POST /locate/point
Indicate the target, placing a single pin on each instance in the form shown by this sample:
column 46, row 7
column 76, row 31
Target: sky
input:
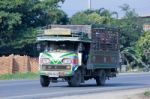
column 142, row 7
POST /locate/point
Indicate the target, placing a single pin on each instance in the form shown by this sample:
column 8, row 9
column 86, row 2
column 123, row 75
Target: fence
column 16, row 63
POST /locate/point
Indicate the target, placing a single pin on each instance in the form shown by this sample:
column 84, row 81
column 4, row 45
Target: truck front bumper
column 56, row 74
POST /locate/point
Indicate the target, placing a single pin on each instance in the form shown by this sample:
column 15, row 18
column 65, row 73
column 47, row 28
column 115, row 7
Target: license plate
column 53, row 74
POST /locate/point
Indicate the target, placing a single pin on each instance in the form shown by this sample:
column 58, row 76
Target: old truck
column 76, row 53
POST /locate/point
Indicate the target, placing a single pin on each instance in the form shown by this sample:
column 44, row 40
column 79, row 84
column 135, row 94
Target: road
column 31, row 89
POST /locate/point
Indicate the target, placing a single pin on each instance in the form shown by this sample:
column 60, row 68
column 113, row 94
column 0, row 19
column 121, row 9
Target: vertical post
column 89, row 4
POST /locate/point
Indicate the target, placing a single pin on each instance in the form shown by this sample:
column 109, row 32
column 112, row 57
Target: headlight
column 66, row 61
column 45, row 61
column 68, row 67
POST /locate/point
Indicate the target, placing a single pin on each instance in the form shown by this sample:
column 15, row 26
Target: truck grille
column 55, row 67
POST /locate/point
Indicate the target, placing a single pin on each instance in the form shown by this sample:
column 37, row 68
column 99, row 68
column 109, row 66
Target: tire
column 101, row 78
column 44, row 80
column 75, row 80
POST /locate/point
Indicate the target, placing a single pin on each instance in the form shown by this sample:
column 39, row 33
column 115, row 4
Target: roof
column 58, row 38
column 147, row 16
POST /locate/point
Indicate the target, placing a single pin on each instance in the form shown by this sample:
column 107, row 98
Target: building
column 146, row 22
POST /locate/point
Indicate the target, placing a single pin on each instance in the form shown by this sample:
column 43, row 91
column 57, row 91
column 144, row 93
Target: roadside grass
column 18, row 76
column 147, row 93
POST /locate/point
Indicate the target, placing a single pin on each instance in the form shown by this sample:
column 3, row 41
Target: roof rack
column 76, row 30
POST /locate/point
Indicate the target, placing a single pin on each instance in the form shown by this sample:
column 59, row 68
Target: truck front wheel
column 44, row 80
column 75, row 80
column 101, row 78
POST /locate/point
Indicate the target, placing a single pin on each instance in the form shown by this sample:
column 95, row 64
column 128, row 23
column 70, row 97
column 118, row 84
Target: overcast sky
column 142, row 7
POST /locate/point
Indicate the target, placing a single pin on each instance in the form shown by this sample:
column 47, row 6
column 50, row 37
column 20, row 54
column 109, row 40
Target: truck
column 76, row 53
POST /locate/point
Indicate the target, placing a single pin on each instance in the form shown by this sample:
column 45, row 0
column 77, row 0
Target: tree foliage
column 83, row 19
column 20, row 18
column 100, row 16
column 131, row 27
column 142, row 47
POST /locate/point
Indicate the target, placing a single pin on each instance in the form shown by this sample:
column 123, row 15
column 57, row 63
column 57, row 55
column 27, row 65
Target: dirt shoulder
column 123, row 94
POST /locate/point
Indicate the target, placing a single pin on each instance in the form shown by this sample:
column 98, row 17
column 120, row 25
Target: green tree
column 143, row 48
column 79, row 18
column 131, row 29
column 19, row 20
column 99, row 16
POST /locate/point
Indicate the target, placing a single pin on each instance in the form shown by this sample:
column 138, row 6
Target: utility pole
column 89, row 4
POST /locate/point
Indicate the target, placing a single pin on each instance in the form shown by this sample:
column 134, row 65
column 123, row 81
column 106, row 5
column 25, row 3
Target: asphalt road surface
column 31, row 89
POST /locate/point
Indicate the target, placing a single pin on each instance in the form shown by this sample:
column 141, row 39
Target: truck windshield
column 61, row 46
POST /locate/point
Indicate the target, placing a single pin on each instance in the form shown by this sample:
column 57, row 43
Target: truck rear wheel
column 101, row 78
column 75, row 80
column 44, row 80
